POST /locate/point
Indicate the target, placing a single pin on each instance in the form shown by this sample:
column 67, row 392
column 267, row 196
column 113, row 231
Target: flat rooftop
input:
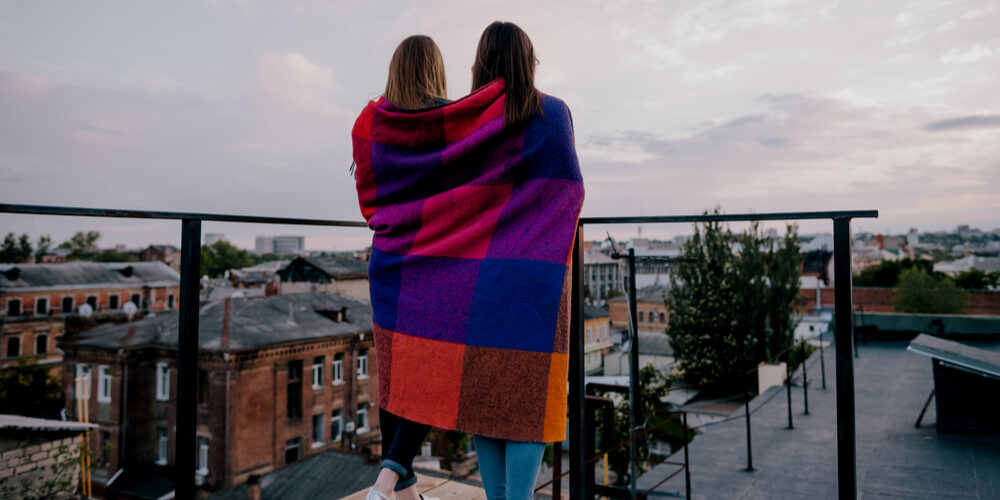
column 894, row 459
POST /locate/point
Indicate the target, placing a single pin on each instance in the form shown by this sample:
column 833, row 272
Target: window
column 202, row 456
column 103, row 384
column 363, row 364
column 67, row 305
column 162, row 381
column 294, row 392
column 170, row 301
column 318, row 372
column 663, row 318
column 41, row 344
column 41, row 306
column 203, row 387
column 137, row 300
column 106, row 450
column 336, row 423
column 161, row 449
column 113, row 302
column 641, row 314
column 83, row 381
column 292, row 450
column 362, row 419
column 338, row 368
column 13, row 347
column 13, row 307
column 318, row 427
column 92, row 302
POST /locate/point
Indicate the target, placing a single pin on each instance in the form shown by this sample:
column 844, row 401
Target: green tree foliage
column 886, row 273
column 656, row 414
column 15, row 249
column 977, row 279
column 27, row 389
column 44, row 243
column 82, row 245
column 112, row 255
column 222, row 256
column 728, row 311
column 921, row 292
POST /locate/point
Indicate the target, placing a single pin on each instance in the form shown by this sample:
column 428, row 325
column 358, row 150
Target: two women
column 474, row 204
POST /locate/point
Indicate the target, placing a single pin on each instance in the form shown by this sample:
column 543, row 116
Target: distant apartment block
column 280, row 245
column 36, row 300
column 597, row 338
column 601, row 275
column 280, row 379
column 345, row 276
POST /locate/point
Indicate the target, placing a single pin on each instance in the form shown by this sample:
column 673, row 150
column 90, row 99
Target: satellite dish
column 85, row 310
column 129, row 308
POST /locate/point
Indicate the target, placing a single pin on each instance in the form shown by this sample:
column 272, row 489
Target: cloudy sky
column 246, row 106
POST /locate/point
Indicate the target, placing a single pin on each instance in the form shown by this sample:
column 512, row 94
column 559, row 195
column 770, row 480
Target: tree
column 973, row 279
column 27, row 389
column 729, row 312
column 222, row 256
column 656, row 414
column 81, row 245
column 112, row 255
column 15, row 249
column 886, row 273
column 920, row 292
column 44, row 243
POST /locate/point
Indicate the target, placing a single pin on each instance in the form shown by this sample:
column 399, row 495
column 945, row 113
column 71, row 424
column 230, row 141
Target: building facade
column 280, row 245
column 325, row 275
column 651, row 305
column 280, row 379
column 37, row 299
column 597, row 338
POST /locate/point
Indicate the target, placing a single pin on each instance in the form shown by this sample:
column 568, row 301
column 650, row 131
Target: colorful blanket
column 474, row 225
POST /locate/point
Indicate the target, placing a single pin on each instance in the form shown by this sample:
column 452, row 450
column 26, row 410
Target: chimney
column 253, row 487
column 881, row 242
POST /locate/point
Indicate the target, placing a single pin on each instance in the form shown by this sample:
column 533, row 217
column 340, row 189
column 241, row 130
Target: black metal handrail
column 187, row 361
column 844, row 335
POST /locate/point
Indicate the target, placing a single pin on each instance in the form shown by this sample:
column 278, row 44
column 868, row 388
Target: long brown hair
column 416, row 74
column 506, row 51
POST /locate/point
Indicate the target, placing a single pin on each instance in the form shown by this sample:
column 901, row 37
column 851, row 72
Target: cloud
column 966, row 55
column 964, row 122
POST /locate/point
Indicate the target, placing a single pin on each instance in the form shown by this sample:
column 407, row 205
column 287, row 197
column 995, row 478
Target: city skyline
column 752, row 106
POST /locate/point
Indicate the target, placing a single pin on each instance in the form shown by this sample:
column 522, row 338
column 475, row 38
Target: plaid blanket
column 474, row 225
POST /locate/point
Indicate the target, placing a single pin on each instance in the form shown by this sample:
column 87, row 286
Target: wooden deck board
column 436, row 487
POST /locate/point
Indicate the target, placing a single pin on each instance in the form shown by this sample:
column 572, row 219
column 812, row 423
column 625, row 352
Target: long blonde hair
column 416, row 74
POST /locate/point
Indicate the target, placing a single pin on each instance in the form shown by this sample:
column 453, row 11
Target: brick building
column 281, row 378
column 651, row 306
column 597, row 338
column 326, row 274
column 36, row 300
column 167, row 254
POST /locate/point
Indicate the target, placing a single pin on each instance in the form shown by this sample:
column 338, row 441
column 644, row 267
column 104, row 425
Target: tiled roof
column 72, row 275
column 335, row 267
column 328, row 475
column 253, row 323
column 652, row 293
column 591, row 312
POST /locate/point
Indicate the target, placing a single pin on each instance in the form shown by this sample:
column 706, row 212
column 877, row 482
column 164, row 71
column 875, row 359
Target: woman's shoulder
column 362, row 124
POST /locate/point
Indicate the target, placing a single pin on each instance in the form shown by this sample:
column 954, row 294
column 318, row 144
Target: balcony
column 835, row 408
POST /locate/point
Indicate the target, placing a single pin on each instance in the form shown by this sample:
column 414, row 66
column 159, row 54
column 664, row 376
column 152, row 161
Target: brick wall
column 44, row 468
column 880, row 300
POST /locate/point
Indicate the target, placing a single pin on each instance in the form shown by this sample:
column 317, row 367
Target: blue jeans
column 508, row 468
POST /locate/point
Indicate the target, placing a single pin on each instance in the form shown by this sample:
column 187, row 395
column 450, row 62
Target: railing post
column 847, row 486
column 822, row 361
column 577, row 461
column 187, row 360
column 687, row 463
column 805, row 377
column 788, row 387
column 634, row 393
column 557, row 470
column 746, row 407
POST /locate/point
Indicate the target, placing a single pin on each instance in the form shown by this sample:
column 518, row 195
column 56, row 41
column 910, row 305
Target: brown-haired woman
column 416, row 80
column 509, row 468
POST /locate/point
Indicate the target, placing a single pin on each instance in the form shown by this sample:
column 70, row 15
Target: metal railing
column 187, row 356
column 844, row 336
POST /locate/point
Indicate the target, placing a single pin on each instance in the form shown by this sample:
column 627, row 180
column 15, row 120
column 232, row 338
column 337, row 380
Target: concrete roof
column 254, row 323
column 938, row 324
column 331, row 474
column 591, row 312
column 334, row 267
column 72, row 275
column 655, row 344
column 17, row 422
column 894, row 458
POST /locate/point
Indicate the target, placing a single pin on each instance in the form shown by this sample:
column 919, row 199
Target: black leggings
column 401, row 440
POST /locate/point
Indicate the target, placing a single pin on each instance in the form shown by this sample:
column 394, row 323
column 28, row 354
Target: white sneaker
column 374, row 494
